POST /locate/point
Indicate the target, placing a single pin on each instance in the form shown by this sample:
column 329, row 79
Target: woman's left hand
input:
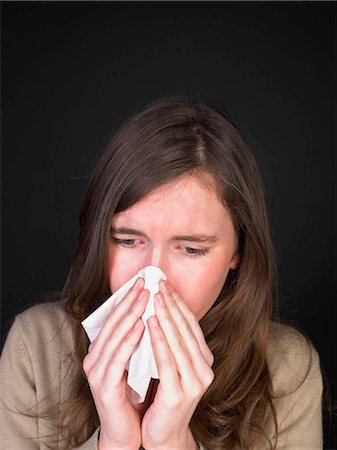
column 184, row 365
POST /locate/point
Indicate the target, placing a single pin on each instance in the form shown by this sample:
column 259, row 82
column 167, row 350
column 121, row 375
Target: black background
column 73, row 71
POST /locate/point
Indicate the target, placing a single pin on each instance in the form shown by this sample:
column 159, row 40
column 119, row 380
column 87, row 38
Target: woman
column 177, row 188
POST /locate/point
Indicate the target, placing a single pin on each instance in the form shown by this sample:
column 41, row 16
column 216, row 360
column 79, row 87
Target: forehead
column 188, row 201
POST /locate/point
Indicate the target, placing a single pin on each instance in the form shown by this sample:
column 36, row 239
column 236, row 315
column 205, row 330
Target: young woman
column 177, row 188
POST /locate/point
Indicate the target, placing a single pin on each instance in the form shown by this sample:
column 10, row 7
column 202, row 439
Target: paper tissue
column 142, row 365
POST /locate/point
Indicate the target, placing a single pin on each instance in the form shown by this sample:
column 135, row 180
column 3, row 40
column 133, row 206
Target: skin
column 183, row 228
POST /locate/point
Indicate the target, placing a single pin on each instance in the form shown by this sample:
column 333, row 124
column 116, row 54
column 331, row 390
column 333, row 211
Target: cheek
column 200, row 289
column 120, row 268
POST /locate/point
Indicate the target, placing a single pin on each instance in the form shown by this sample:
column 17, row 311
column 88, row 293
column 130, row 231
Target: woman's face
column 185, row 230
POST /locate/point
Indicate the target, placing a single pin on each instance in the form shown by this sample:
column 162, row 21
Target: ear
column 235, row 263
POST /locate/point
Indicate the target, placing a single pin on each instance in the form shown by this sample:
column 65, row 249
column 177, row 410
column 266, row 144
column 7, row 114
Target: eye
column 127, row 243
column 195, row 251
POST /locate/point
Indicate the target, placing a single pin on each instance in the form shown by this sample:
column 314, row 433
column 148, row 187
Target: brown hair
column 165, row 140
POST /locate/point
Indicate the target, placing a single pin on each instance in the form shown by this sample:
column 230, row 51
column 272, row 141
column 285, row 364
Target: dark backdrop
column 72, row 72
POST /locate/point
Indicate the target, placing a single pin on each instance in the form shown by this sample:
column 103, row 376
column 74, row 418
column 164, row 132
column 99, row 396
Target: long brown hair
column 166, row 139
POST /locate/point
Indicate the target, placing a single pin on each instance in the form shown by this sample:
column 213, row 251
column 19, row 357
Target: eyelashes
column 126, row 243
column 130, row 244
column 194, row 251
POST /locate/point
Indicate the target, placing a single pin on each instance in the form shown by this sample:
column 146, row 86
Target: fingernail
column 144, row 293
column 153, row 320
column 138, row 283
column 160, row 299
column 165, row 287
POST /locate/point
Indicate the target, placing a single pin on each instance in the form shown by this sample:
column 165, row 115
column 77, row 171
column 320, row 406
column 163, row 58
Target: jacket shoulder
column 45, row 326
column 291, row 357
column 48, row 311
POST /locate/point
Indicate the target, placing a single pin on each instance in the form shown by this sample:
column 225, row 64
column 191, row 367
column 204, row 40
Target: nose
column 163, row 258
column 158, row 257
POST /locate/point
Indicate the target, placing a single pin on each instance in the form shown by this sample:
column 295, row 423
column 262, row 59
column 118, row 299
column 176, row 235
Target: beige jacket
column 35, row 359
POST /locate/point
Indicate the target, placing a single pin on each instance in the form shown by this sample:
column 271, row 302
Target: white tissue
column 142, row 365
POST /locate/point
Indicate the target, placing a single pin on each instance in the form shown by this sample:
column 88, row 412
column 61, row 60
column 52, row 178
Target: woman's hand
column 184, row 365
column 104, row 366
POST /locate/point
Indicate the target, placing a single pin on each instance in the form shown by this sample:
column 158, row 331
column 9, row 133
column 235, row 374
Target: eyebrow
column 201, row 238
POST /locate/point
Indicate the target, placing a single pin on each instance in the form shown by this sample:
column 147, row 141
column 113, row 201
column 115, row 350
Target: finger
column 110, row 367
column 115, row 365
column 190, row 366
column 120, row 309
column 193, row 321
column 110, row 340
column 179, row 336
column 131, row 307
column 177, row 306
column 167, row 370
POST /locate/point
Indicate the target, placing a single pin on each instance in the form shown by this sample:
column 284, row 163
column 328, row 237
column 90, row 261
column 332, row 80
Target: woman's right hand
column 104, row 366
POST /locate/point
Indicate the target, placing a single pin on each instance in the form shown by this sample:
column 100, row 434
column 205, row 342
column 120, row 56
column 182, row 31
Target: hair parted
column 165, row 140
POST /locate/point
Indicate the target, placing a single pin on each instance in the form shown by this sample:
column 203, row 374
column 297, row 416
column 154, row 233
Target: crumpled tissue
column 142, row 365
